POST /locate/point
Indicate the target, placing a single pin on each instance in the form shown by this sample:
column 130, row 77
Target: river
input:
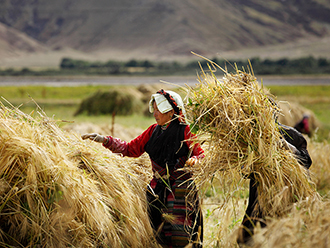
column 137, row 80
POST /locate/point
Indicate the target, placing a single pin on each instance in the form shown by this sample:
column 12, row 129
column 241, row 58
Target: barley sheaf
column 234, row 117
column 58, row 191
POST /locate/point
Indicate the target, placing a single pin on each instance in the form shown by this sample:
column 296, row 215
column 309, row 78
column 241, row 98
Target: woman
column 174, row 207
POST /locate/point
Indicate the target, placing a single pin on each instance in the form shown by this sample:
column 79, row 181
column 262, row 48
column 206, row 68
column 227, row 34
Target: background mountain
column 40, row 32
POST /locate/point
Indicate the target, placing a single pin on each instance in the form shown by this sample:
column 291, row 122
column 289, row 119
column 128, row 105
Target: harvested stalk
column 59, row 191
column 235, row 117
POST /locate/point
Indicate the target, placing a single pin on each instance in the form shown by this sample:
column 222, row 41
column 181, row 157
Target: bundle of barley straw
column 60, row 191
column 235, row 118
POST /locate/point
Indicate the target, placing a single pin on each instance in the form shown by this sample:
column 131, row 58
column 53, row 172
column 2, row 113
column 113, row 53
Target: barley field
column 60, row 191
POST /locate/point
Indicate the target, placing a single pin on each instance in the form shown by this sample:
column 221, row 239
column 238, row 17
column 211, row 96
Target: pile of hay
column 60, row 191
column 119, row 101
column 235, row 118
column 320, row 171
column 292, row 113
column 305, row 227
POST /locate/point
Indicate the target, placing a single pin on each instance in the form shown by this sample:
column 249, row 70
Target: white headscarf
column 163, row 105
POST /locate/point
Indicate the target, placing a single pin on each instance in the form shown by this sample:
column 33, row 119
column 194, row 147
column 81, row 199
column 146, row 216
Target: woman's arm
column 134, row 148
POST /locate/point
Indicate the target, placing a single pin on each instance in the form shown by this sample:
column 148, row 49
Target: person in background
column 174, row 206
column 292, row 140
column 303, row 125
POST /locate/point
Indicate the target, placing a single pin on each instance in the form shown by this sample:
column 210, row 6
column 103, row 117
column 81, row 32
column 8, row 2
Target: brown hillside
column 106, row 29
column 13, row 42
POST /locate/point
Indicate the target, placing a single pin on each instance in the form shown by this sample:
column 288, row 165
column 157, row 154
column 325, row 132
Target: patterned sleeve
column 197, row 151
column 134, row 148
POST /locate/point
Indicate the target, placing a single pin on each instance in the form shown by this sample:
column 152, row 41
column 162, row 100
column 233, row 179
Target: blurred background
column 39, row 34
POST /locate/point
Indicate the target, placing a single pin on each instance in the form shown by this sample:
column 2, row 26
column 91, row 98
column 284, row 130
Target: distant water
column 296, row 80
column 136, row 80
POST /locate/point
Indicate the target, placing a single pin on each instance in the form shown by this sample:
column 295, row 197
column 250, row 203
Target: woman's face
column 160, row 118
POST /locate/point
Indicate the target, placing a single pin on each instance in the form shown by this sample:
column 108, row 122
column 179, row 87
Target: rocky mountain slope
column 159, row 30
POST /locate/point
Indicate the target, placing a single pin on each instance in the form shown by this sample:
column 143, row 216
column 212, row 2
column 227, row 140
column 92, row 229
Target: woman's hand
column 94, row 136
column 191, row 162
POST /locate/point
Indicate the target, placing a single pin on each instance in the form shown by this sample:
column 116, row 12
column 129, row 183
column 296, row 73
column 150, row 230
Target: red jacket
column 135, row 147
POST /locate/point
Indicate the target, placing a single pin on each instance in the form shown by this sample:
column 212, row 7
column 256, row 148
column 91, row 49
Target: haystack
column 60, row 191
column 293, row 112
column 305, row 227
column 236, row 119
column 320, row 171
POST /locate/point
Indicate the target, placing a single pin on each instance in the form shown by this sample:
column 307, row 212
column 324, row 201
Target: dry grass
column 58, row 191
column 320, row 170
column 307, row 225
column 235, row 118
column 292, row 113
